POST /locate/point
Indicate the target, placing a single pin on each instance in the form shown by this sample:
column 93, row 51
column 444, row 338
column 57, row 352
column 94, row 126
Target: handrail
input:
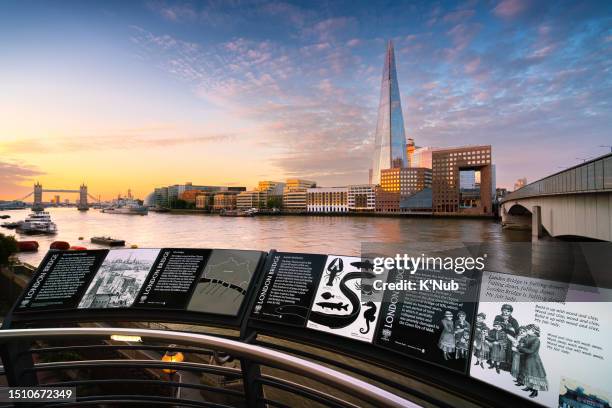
column 343, row 382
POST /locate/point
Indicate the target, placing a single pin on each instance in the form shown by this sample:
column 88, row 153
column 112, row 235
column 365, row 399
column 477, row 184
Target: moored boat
column 37, row 222
column 11, row 225
column 107, row 241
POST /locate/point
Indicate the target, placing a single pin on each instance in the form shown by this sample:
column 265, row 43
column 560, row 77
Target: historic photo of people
column 455, row 337
column 510, row 349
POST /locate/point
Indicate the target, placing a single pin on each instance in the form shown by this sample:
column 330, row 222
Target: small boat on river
column 107, row 241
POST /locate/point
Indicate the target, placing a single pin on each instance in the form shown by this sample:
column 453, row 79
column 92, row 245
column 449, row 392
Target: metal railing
column 251, row 357
column 589, row 177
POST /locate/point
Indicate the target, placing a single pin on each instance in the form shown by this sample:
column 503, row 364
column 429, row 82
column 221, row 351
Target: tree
column 275, row 202
column 8, row 247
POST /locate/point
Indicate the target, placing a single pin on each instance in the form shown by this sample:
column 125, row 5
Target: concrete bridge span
column 576, row 202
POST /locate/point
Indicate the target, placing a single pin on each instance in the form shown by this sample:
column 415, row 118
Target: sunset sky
column 131, row 94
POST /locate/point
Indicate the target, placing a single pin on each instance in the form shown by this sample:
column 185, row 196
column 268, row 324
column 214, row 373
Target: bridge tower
column 83, row 205
column 38, row 190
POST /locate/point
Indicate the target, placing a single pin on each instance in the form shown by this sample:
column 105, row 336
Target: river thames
column 341, row 235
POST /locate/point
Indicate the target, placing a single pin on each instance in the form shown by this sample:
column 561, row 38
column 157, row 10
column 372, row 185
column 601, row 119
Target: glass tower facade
column 390, row 141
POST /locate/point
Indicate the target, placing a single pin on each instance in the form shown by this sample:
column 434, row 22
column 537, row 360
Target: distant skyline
column 141, row 94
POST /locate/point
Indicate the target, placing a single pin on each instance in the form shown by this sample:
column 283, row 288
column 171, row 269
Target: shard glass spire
column 390, row 141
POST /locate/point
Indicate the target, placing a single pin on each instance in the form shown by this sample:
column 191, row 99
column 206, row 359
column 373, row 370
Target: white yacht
column 38, row 222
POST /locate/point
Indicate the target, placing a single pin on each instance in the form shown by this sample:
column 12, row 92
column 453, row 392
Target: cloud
column 133, row 138
column 509, row 8
column 13, row 175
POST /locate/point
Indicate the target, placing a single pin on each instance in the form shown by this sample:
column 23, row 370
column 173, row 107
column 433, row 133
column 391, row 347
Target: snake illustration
column 340, row 321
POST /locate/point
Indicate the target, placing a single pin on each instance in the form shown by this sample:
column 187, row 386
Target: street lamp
column 173, row 356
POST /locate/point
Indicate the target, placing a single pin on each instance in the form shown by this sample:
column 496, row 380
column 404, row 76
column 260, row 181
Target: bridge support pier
column 536, row 223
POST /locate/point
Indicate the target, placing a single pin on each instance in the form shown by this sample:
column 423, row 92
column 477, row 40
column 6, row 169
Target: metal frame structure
column 253, row 355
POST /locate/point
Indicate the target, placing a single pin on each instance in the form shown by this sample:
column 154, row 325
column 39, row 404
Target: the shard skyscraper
column 390, row 140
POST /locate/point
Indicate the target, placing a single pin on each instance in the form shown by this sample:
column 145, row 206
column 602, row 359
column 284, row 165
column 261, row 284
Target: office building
column 251, row 199
column 295, row 194
column 273, row 188
column 410, row 148
column 387, row 201
column 520, row 183
column 449, row 168
column 405, row 181
column 225, row 201
column 204, row 201
column 328, row 200
column 421, row 157
column 390, row 138
column 361, row 197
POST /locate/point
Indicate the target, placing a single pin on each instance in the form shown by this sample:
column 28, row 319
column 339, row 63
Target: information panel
column 173, row 278
column 197, row 280
column 61, row 280
column 545, row 341
column 288, row 288
column 429, row 316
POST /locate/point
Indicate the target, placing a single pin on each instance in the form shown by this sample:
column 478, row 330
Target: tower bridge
column 82, row 204
column 576, row 202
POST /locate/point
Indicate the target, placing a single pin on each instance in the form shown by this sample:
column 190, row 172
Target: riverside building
column 295, row 194
column 405, row 181
column 328, row 200
column 475, row 196
column 361, row 197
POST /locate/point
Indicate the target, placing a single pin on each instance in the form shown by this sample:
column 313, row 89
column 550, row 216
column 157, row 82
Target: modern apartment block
column 405, row 181
column 361, row 197
column 251, row 199
column 295, row 194
column 328, row 200
column 452, row 165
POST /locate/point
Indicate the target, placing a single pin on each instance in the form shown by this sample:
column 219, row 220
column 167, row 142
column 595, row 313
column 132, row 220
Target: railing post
column 16, row 358
column 253, row 390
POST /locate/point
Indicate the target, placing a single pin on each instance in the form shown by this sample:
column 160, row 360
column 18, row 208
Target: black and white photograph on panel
column 346, row 303
column 119, row 278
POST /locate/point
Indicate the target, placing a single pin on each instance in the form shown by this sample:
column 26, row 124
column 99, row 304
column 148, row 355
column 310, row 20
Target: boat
column 158, row 209
column 107, row 241
column 60, row 245
column 27, row 246
column 236, row 213
column 126, row 206
column 38, row 222
column 12, row 225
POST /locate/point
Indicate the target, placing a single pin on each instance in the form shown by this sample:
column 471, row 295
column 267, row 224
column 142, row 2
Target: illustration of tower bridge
column 82, row 204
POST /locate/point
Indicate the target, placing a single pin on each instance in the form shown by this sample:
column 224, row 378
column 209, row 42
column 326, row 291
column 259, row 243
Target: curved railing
column 250, row 356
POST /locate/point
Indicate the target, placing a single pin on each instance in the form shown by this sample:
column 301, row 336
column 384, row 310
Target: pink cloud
column 509, row 8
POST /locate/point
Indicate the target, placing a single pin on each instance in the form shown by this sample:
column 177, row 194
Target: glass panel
column 608, row 172
column 599, row 178
column 591, row 176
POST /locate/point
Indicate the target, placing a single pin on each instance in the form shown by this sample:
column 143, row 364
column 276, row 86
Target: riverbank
column 372, row 214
